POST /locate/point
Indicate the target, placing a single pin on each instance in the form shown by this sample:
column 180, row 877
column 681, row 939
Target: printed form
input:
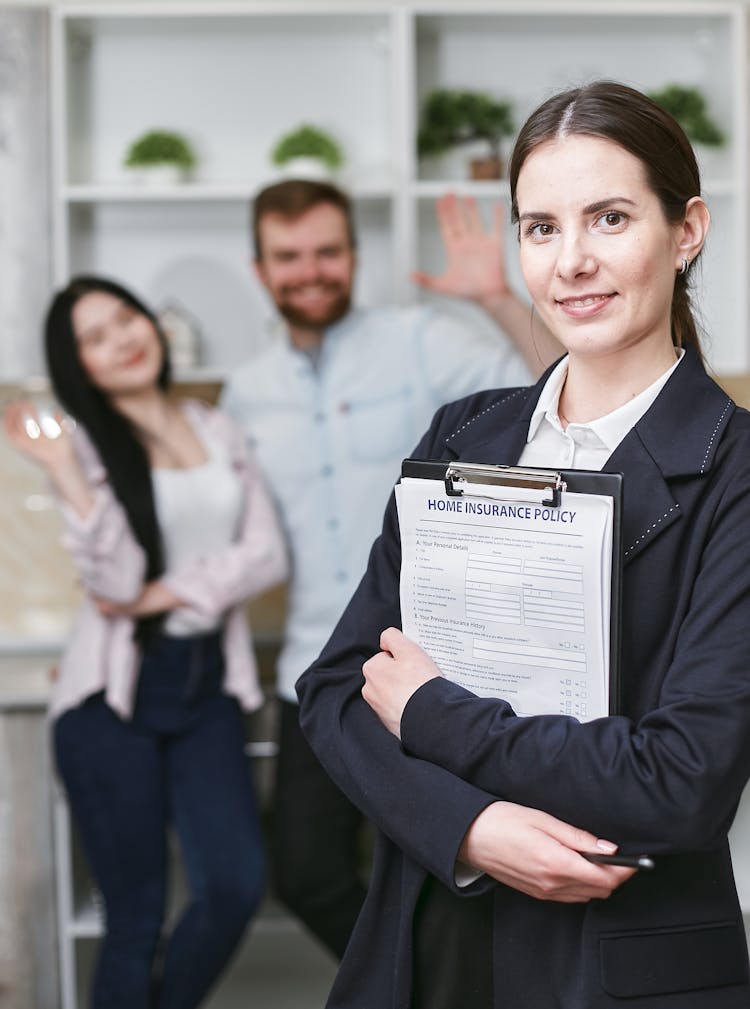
column 510, row 596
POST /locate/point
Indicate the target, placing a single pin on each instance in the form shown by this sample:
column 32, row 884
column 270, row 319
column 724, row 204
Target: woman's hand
column 154, row 598
column 393, row 675
column 47, row 441
column 44, row 439
column 538, row 854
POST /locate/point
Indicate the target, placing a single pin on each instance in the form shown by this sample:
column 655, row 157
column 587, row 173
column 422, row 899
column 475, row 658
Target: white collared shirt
column 579, row 446
column 582, row 446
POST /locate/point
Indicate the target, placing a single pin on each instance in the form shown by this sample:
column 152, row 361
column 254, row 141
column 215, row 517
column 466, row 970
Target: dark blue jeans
column 180, row 761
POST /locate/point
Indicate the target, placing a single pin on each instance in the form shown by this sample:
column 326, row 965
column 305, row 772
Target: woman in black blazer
column 479, row 895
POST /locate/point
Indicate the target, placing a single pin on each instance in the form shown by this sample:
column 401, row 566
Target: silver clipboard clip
column 505, row 476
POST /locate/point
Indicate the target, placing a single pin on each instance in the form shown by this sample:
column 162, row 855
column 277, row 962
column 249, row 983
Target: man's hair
column 293, row 198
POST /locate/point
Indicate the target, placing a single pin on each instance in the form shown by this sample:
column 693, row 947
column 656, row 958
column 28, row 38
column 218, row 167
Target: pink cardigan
column 100, row 653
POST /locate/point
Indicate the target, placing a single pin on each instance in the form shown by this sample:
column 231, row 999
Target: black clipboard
column 554, row 483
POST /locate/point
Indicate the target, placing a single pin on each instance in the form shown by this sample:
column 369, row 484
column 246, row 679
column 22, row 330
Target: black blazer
column 664, row 777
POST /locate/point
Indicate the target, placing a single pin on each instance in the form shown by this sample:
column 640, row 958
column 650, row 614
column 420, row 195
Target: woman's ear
column 693, row 230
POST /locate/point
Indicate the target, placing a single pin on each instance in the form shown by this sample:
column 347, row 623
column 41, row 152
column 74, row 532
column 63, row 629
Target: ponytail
column 684, row 329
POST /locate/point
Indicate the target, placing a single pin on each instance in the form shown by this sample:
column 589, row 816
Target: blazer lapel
column 658, row 450
column 497, row 435
column 654, row 452
column 648, row 506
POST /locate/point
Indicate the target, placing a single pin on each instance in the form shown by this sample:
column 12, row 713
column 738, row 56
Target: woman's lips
column 135, row 359
column 584, row 305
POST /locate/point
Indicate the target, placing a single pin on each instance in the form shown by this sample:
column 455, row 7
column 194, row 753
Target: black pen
column 628, row 861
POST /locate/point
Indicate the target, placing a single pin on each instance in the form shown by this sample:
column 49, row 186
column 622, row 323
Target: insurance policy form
column 510, row 596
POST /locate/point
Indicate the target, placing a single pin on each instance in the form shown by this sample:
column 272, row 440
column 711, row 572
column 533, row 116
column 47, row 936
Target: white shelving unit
column 234, row 77
column 526, row 52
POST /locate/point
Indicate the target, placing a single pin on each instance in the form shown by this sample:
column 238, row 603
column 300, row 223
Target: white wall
column 25, row 272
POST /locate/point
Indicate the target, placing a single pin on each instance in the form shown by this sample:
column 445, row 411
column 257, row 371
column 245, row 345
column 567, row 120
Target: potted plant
column 688, row 106
column 307, row 151
column 160, row 157
column 451, row 118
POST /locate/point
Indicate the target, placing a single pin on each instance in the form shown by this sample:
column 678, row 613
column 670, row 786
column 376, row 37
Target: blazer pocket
column 659, row 961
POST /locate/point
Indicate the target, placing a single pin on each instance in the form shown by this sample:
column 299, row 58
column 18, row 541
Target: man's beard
column 308, row 320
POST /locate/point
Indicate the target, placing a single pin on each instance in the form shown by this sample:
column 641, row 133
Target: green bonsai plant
column 450, row 118
column 160, row 147
column 307, row 141
column 688, row 106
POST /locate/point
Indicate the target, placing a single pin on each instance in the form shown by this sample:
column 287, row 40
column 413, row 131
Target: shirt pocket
column 380, row 428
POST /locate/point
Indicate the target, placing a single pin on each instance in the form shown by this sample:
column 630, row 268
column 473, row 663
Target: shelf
column 433, row 189
column 364, row 72
column 190, row 193
column 262, row 748
column 87, row 922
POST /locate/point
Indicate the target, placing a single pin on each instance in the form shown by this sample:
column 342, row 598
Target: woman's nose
column 575, row 257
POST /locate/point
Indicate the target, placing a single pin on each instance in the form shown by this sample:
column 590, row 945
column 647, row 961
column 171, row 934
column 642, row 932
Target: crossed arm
column 448, row 775
column 434, row 815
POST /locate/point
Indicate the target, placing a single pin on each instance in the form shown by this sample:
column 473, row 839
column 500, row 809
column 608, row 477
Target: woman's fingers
column 538, row 855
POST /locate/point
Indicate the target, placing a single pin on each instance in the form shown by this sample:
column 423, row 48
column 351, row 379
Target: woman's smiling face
column 598, row 256
column 118, row 346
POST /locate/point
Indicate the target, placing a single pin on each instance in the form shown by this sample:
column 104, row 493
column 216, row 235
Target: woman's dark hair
column 616, row 112
column 122, row 451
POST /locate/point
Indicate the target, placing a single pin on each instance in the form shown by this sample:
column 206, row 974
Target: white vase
column 306, row 168
column 160, row 175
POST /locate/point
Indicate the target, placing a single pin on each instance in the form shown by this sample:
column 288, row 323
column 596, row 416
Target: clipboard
column 549, row 487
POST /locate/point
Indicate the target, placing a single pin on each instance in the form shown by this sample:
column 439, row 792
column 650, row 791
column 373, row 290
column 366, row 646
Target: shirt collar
column 547, row 403
column 611, row 428
column 278, row 328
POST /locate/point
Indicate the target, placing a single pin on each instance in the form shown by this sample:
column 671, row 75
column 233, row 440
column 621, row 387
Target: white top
column 582, row 446
column 101, row 652
column 199, row 511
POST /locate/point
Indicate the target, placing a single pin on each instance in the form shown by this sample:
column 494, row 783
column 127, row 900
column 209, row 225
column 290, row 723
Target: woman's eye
column 541, row 230
column 126, row 315
column 613, row 218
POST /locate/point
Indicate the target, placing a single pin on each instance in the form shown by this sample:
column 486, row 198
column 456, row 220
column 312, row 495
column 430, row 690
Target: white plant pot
column 158, row 175
column 306, row 168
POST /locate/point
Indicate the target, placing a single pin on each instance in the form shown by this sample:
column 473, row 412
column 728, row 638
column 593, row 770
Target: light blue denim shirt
column 330, row 437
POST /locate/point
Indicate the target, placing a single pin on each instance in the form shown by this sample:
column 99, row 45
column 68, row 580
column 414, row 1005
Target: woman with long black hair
column 171, row 531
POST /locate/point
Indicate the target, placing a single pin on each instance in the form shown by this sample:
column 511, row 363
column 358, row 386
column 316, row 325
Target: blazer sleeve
column 423, row 808
column 108, row 558
column 256, row 560
column 668, row 781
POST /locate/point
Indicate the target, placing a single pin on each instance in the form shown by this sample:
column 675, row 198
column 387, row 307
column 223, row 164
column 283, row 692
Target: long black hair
column 122, row 451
